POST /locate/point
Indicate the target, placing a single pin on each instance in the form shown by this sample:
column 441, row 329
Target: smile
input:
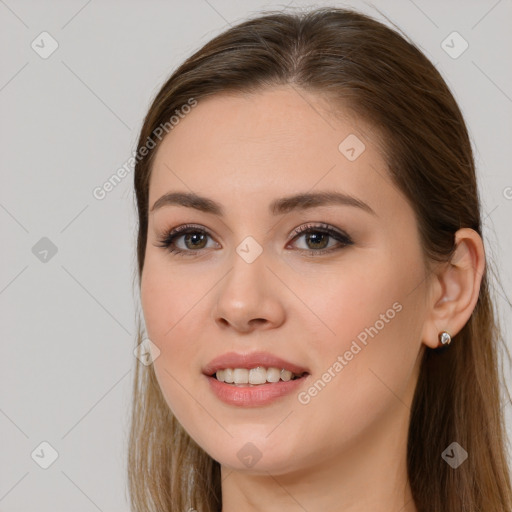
column 255, row 376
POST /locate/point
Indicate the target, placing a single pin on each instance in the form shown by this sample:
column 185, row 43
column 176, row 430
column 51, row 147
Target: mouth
column 259, row 386
column 253, row 369
column 256, row 376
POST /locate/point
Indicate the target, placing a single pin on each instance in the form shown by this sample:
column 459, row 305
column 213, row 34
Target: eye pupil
column 189, row 236
column 317, row 235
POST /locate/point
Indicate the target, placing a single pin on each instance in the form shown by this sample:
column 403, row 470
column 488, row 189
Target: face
column 335, row 288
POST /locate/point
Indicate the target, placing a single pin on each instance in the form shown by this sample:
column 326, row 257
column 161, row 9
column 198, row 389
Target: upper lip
column 250, row 360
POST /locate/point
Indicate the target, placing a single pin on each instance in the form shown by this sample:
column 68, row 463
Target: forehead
column 275, row 142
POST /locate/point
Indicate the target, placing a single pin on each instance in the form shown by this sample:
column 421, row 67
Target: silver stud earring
column 445, row 338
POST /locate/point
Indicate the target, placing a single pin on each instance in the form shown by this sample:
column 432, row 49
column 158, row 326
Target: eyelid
column 167, row 239
column 181, row 230
column 296, row 231
column 343, row 239
column 321, row 226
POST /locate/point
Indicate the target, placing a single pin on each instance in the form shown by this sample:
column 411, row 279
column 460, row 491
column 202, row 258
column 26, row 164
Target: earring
column 445, row 338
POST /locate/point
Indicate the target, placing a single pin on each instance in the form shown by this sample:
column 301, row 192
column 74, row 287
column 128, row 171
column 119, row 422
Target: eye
column 195, row 239
column 193, row 236
column 317, row 236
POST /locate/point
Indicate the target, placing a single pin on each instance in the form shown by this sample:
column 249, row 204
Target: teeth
column 286, row 375
column 240, row 376
column 258, row 375
column 273, row 375
column 254, row 376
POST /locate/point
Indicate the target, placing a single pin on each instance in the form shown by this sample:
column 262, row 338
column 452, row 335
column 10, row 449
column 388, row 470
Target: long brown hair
column 385, row 79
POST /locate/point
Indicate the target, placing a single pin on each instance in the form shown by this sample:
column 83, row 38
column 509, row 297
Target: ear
column 454, row 288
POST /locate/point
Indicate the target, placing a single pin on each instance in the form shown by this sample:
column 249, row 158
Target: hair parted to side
column 359, row 64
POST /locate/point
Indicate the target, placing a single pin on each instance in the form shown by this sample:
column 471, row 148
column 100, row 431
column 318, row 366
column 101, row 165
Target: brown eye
column 194, row 240
column 317, row 239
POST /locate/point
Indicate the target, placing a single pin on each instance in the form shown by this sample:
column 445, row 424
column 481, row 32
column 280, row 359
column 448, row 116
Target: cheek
column 155, row 298
column 168, row 295
column 165, row 307
column 173, row 302
column 366, row 363
column 342, row 304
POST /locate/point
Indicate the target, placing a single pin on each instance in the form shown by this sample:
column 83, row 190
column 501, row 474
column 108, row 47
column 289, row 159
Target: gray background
column 68, row 122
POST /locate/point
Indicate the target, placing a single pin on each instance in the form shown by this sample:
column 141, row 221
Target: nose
column 249, row 297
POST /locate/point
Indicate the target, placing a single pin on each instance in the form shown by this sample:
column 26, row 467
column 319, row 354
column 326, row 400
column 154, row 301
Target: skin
column 346, row 449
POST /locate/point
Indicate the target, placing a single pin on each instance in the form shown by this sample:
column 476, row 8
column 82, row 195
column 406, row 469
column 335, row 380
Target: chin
column 254, row 456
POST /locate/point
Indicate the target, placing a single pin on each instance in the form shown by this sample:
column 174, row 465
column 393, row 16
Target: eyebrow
column 280, row 206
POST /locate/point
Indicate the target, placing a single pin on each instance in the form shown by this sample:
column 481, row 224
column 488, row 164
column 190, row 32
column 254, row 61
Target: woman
column 313, row 281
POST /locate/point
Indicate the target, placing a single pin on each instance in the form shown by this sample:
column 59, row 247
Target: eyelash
column 168, row 240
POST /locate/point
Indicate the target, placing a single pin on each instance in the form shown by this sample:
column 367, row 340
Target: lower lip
column 254, row 396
